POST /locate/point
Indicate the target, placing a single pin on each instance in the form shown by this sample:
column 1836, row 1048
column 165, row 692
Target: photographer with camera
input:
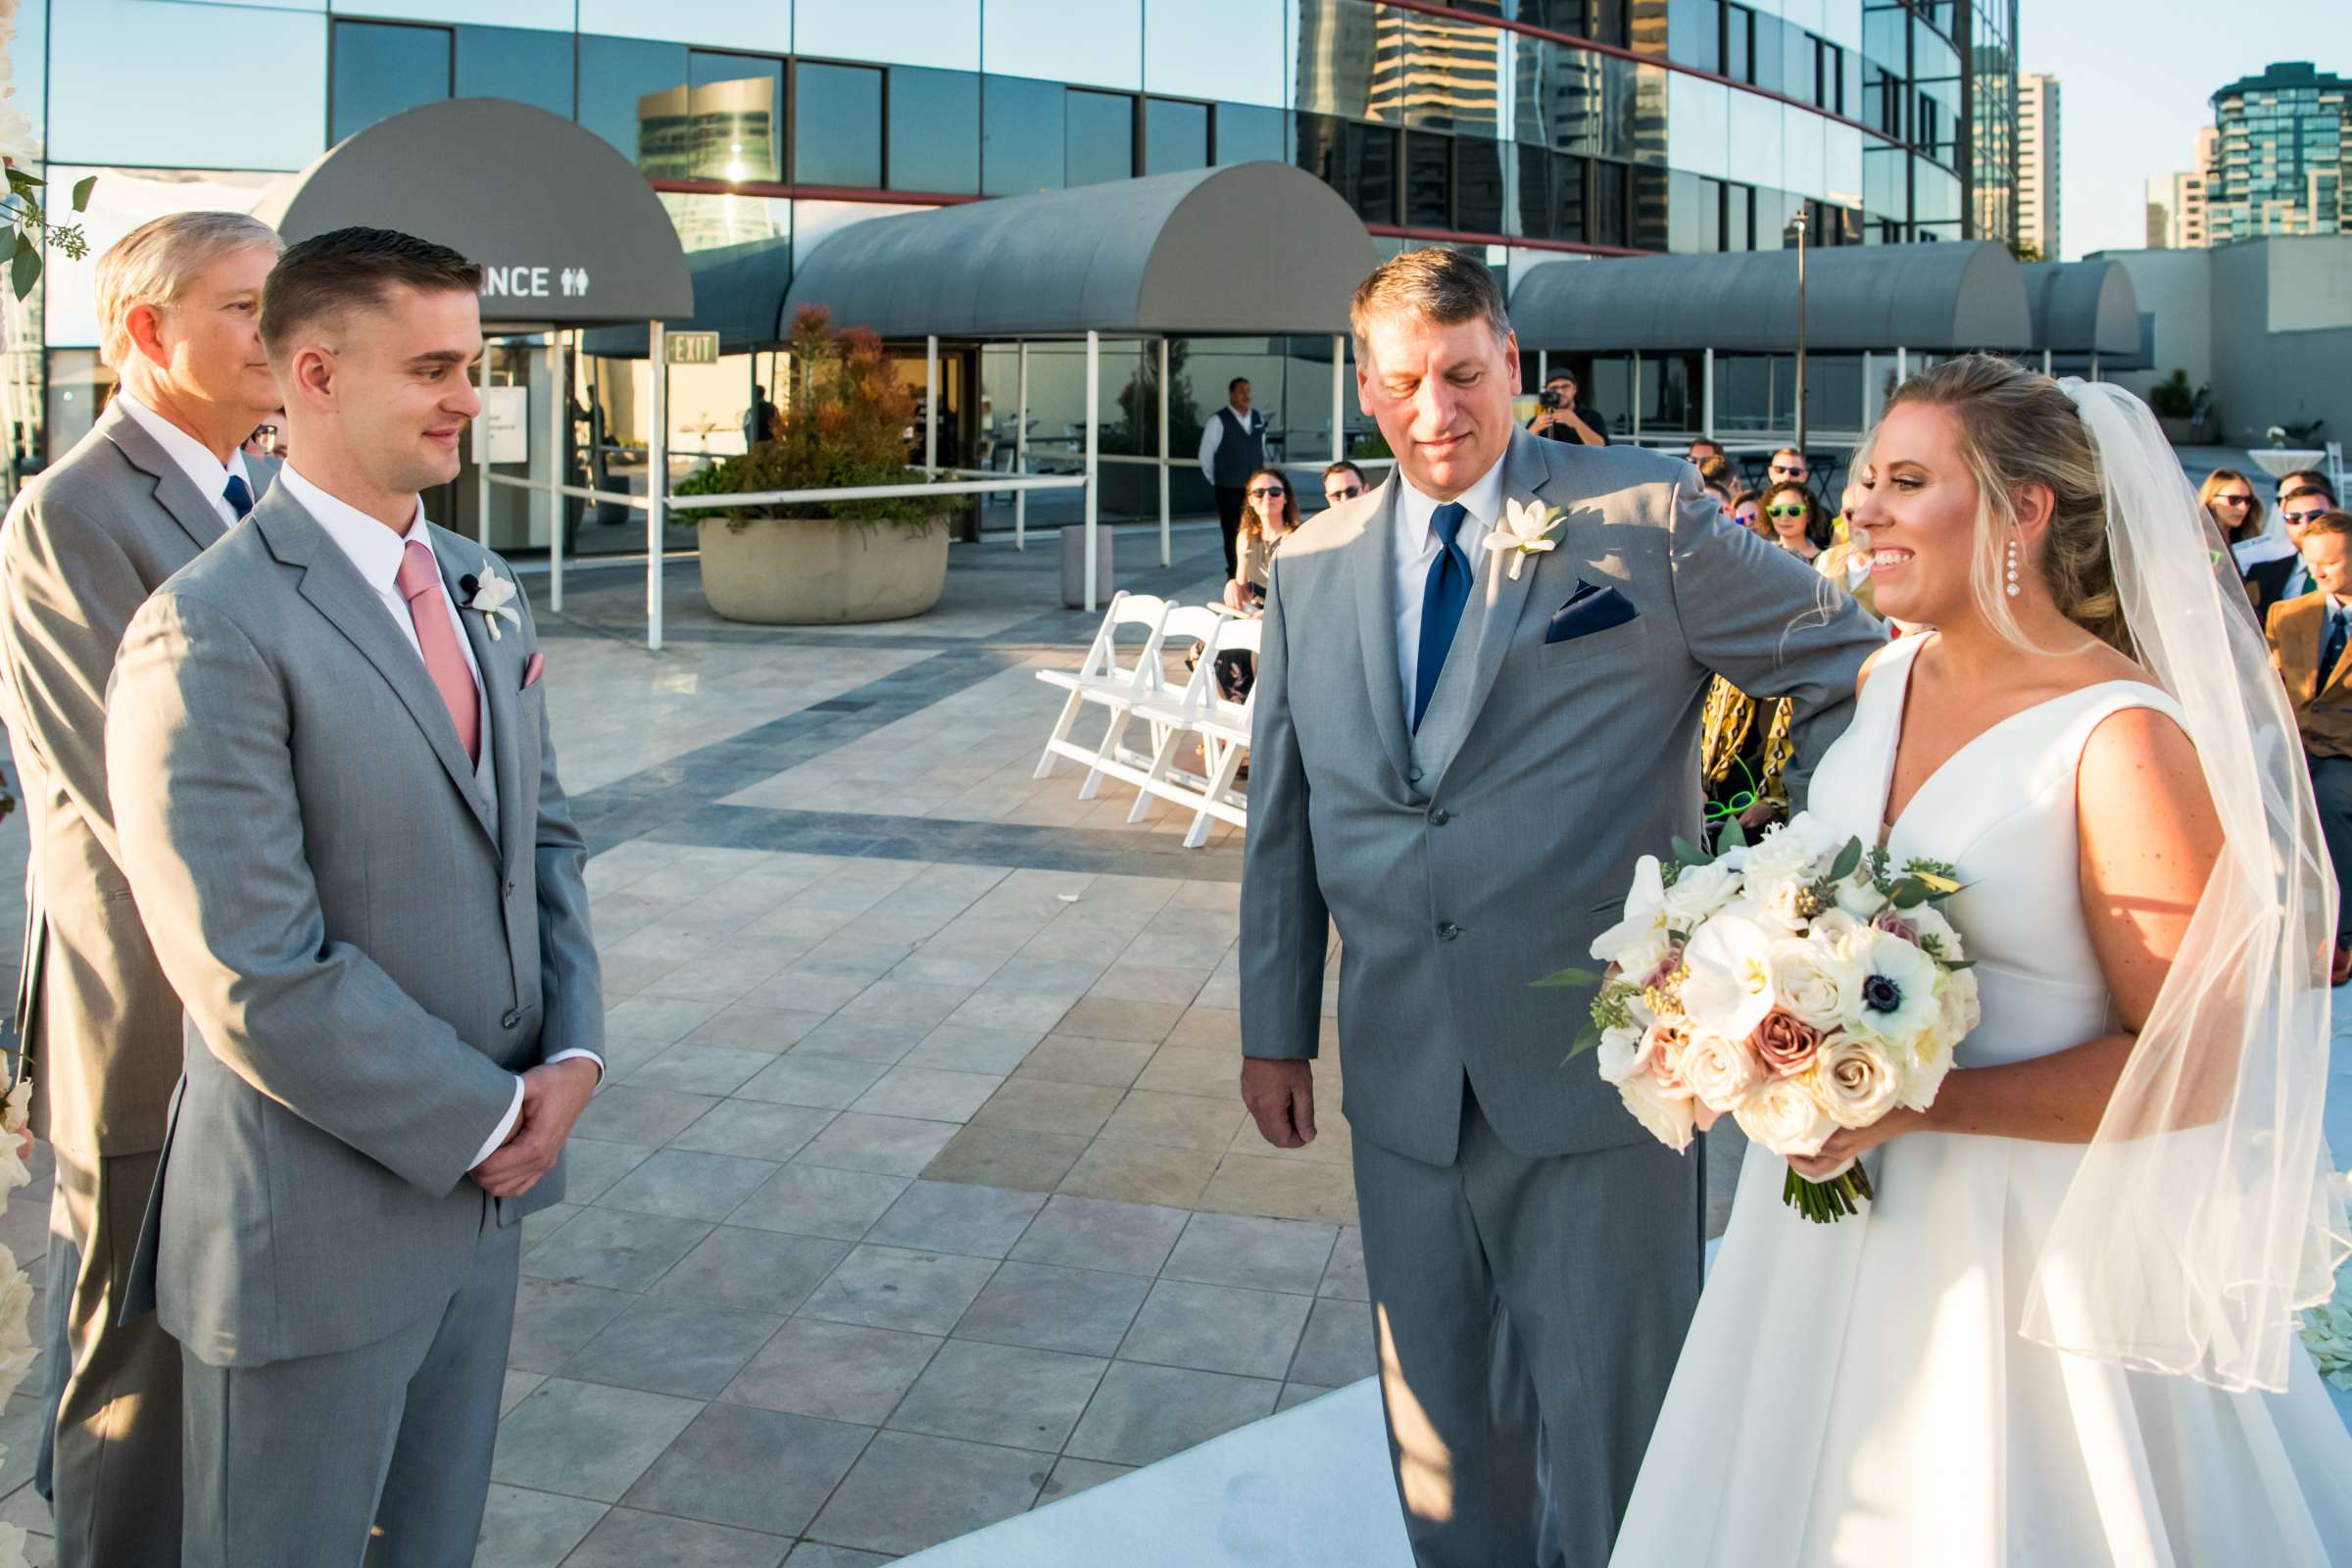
column 1559, row 417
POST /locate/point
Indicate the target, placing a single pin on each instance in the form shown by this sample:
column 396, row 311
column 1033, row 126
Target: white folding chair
column 1223, row 727
column 1103, row 679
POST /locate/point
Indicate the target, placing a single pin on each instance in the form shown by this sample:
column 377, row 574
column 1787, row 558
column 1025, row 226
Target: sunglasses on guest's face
column 1266, row 492
column 1786, row 512
column 2232, row 500
column 1346, row 492
column 1787, row 467
column 2302, row 517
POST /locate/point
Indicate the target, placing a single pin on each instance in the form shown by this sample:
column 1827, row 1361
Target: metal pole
column 1094, row 477
column 2045, row 362
column 1902, row 366
column 481, row 452
column 1020, row 456
column 1166, row 555
column 1636, row 384
column 1339, row 396
column 931, row 405
column 558, row 420
column 1706, row 396
column 1543, row 367
column 657, row 479
column 1801, row 334
column 2094, row 364
column 1870, row 390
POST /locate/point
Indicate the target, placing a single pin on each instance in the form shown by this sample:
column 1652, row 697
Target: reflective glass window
column 1101, row 127
column 735, row 107
column 1175, row 136
column 633, row 94
column 1568, row 206
column 1739, row 217
column 1248, row 134
column 1335, row 45
column 1694, row 34
column 836, row 125
column 1478, row 185
column 934, row 130
column 1609, row 21
column 1428, row 182
column 1739, row 44
column 1532, row 181
column 1606, row 220
column 1797, row 51
column 1650, row 208
column 1020, row 135
column 119, row 74
column 381, row 69
column 1356, row 160
column 1769, row 67
column 523, row 64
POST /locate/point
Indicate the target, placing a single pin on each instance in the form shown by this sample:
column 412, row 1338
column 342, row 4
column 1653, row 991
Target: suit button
column 1440, row 817
column 511, row 1018
column 1447, row 930
column 1413, row 775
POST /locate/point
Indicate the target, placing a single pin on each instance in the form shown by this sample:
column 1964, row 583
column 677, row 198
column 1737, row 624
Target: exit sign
column 691, row 348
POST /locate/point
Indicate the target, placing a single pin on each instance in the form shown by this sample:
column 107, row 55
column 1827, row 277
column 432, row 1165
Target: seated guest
column 1749, row 512
column 1795, row 520
column 1343, row 481
column 2229, row 498
column 1789, row 463
column 2308, row 636
column 2274, row 582
column 1270, row 510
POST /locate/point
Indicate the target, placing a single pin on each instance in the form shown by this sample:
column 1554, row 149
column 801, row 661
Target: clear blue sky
column 2135, row 77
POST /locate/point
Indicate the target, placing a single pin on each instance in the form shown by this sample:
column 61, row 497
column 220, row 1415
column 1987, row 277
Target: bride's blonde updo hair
column 2018, row 427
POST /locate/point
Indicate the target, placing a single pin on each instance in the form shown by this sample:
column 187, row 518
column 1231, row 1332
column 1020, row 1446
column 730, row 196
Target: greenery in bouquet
column 843, row 424
column 1797, row 985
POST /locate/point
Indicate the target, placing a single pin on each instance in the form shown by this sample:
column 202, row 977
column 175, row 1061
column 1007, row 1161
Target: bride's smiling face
column 1919, row 515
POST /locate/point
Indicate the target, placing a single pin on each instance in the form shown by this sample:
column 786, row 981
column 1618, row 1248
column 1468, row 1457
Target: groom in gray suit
column 327, row 747
column 1458, row 754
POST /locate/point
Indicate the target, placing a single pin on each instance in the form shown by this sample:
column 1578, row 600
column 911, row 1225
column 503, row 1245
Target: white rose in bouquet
column 1783, row 904
column 1720, row 1072
column 1780, row 854
column 1784, row 1118
column 1929, row 921
column 1699, row 892
column 1813, row 981
column 1859, row 896
column 1667, row 1117
column 1855, row 1080
column 1896, row 999
column 1919, row 1071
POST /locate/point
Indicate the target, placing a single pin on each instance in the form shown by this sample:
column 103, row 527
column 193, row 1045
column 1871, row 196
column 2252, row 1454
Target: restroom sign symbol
column 574, row 281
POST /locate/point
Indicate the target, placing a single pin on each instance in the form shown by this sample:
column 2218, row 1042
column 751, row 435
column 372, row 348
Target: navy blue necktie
column 2333, row 652
column 239, row 494
column 1443, row 597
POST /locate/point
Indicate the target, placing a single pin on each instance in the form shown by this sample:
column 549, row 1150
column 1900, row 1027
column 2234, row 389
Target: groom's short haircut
column 324, row 276
column 1438, row 285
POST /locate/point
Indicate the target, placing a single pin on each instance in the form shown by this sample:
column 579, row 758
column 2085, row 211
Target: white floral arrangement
column 1797, row 985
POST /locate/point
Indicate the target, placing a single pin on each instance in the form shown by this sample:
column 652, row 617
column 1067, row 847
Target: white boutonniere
column 493, row 598
column 1527, row 529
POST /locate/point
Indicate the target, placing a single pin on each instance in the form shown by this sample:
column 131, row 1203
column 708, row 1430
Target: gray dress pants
column 295, row 1464
column 1528, row 1314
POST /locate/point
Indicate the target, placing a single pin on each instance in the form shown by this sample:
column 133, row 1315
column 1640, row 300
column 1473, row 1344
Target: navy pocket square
column 1588, row 610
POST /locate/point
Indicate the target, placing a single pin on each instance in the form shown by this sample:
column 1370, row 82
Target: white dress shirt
column 208, row 473
column 1416, row 548
column 376, row 552
column 1214, row 433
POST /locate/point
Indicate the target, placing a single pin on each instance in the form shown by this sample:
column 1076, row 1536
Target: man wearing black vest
column 1233, row 448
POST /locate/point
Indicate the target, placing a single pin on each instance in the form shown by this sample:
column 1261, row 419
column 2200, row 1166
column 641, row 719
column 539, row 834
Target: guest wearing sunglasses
column 1797, row 521
column 1269, row 511
column 1749, row 512
column 1788, row 465
column 2289, row 578
column 1343, row 481
column 2229, row 498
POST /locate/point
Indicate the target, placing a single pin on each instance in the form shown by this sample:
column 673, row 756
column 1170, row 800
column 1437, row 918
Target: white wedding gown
column 1858, row 1394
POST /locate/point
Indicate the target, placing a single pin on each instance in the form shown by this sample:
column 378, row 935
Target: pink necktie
column 421, row 585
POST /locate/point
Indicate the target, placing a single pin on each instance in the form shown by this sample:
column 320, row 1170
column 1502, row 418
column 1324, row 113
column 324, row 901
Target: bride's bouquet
column 1795, row 985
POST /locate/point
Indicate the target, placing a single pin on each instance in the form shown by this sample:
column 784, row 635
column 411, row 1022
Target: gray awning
column 2082, row 307
column 1940, row 297
column 1246, row 250
column 568, row 231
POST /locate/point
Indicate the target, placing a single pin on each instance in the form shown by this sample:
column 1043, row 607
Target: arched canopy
column 1938, row 297
column 2082, row 307
column 1249, row 249
column 569, row 233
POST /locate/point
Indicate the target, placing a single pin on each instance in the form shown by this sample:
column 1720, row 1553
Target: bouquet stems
column 1823, row 1203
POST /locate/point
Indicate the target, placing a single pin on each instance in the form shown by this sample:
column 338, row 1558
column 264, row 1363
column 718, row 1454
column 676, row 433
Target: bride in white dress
column 2130, row 1166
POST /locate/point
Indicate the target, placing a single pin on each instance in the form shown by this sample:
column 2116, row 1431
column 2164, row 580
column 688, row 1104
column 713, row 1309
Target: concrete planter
column 818, row 571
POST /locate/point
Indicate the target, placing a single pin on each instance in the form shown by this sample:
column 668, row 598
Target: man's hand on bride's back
column 1281, row 1095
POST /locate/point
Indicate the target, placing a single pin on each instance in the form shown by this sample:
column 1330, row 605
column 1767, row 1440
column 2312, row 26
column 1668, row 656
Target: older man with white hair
column 154, row 484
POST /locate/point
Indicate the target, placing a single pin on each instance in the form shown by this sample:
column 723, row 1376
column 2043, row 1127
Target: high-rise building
column 2039, row 188
column 1993, row 119
column 2177, row 215
column 2278, row 168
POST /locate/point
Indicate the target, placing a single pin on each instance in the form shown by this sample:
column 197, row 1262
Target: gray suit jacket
column 86, row 543
column 1462, row 862
column 366, row 950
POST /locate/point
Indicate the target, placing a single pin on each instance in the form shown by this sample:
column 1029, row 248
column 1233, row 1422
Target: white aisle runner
column 1306, row 1488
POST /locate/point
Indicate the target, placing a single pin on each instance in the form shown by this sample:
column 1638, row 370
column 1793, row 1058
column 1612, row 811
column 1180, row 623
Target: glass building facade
column 2285, row 138
column 1525, row 130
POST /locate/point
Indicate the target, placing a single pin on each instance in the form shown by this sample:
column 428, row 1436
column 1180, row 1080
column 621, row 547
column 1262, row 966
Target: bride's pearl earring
column 2013, row 588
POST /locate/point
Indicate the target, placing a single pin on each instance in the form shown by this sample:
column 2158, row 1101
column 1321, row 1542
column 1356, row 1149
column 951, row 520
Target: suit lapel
column 334, row 588
column 1376, row 621
column 175, row 491
column 1499, row 599
column 498, row 693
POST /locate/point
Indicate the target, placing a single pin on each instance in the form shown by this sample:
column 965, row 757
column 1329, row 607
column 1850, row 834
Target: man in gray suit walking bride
column 1476, row 704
